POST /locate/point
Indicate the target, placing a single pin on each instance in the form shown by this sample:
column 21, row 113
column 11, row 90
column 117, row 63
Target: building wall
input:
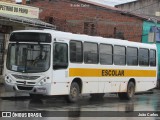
column 147, row 7
column 11, row 1
column 79, row 17
column 146, row 30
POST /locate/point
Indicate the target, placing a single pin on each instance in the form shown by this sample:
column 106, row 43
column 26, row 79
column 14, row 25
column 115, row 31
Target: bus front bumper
column 36, row 89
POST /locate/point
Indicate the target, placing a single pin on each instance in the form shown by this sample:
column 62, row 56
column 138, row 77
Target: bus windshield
column 28, row 57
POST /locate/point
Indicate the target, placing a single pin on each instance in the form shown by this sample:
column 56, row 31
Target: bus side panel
column 90, row 85
column 101, row 86
column 60, row 82
column 115, row 84
column 108, row 87
column 144, row 85
column 123, row 87
column 60, row 88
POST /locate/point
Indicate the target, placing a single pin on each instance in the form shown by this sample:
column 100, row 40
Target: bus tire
column 97, row 96
column 130, row 92
column 74, row 93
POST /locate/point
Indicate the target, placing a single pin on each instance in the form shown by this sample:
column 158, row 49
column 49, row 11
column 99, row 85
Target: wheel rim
column 131, row 91
column 74, row 93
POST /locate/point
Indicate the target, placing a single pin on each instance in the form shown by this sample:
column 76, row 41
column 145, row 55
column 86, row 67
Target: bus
column 50, row 62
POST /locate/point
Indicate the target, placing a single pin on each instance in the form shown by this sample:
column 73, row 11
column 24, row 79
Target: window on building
column 76, row 51
column 106, row 52
column 152, row 58
column 143, row 57
column 118, row 34
column 89, row 28
column 119, row 55
column 50, row 20
column 90, row 53
column 132, row 56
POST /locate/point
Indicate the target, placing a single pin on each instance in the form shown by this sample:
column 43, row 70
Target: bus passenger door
column 60, row 69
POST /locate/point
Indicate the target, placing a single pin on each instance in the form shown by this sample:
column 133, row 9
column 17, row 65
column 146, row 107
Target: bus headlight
column 42, row 82
column 8, row 80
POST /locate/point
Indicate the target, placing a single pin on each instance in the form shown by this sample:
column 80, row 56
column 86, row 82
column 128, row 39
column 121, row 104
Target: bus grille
column 24, row 88
column 25, row 77
column 24, row 82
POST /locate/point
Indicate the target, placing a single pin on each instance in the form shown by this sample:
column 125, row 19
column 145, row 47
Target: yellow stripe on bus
column 88, row 72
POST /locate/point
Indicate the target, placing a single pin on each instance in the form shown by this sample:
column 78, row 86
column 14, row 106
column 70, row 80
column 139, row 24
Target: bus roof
column 70, row 36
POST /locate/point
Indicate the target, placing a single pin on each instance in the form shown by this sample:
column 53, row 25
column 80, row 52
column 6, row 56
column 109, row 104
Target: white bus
column 49, row 62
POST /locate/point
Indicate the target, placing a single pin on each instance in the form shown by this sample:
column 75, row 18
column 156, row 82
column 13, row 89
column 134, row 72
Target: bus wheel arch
column 131, row 87
column 132, row 80
column 79, row 82
column 129, row 94
column 75, row 90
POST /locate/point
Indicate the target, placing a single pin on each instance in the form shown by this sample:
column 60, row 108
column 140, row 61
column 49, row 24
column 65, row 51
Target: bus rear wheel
column 74, row 93
column 130, row 92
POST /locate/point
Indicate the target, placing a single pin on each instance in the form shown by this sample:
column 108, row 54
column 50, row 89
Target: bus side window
column 143, row 57
column 76, row 52
column 119, row 55
column 91, row 53
column 106, row 54
column 152, row 57
column 60, row 55
column 132, row 56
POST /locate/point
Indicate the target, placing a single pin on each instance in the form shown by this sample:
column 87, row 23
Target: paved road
column 110, row 105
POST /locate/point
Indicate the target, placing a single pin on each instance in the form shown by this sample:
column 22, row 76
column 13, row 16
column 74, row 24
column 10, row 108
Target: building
column 16, row 17
column 151, row 9
column 85, row 17
column 146, row 7
column 9, row 1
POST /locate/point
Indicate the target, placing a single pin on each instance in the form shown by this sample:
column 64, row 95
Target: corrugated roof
column 25, row 20
column 126, row 3
column 145, row 17
column 100, row 5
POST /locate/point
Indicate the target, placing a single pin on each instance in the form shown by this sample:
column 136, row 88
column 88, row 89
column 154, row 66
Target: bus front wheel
column 74, row 93
column 130, row 92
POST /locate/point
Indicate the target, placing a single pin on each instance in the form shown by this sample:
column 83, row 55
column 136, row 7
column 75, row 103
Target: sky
column 106, row 2
column 112, row 2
